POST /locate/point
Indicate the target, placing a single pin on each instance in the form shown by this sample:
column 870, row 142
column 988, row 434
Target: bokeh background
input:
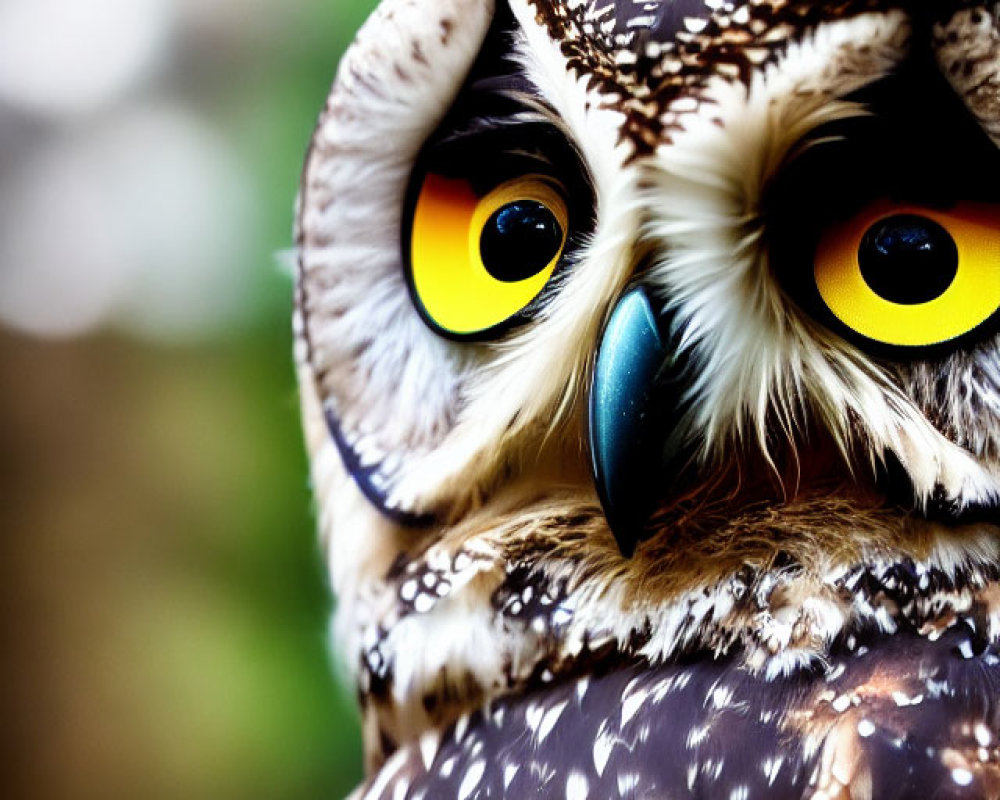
column 163, row 603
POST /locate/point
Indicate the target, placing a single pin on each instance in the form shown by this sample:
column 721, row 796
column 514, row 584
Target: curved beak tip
column 630, row 418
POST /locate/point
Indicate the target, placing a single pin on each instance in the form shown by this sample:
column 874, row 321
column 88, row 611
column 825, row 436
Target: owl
column 650, row 374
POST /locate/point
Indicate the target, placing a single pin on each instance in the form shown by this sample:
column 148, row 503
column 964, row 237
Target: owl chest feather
column 897, row 717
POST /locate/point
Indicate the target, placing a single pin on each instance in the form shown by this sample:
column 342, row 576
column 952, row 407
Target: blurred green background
column 164, row 601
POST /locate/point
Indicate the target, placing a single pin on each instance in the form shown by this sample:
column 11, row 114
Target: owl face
column 646, row 329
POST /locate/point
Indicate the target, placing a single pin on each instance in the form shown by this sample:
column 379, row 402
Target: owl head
column 634, row 330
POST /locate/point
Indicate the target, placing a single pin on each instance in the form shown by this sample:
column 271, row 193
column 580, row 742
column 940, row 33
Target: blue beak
column 635, row 405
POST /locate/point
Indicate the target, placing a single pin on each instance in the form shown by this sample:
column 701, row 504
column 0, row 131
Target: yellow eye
column 911, row 276
column 475, row 262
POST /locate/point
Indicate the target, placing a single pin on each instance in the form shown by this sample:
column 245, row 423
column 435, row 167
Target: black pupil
column 908, row 259
column 519, row 240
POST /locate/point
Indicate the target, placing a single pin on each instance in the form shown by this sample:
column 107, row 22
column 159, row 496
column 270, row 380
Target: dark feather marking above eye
column 508, row 83
column 486, row 123
column 503, row 103
column 496, row 92
column 498, row 98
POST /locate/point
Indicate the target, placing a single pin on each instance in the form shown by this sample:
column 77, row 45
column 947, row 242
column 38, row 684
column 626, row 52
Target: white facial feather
column 391, row 382
column 760, row 362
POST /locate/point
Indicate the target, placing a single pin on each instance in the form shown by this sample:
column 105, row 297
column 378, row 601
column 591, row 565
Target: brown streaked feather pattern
column 651, row 59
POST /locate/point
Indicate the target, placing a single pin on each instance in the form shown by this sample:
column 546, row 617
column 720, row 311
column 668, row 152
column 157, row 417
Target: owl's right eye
column 476, row 261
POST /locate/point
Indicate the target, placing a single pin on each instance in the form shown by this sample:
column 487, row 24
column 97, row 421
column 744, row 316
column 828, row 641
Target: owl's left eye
column 910, row 276
column 476, row 261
